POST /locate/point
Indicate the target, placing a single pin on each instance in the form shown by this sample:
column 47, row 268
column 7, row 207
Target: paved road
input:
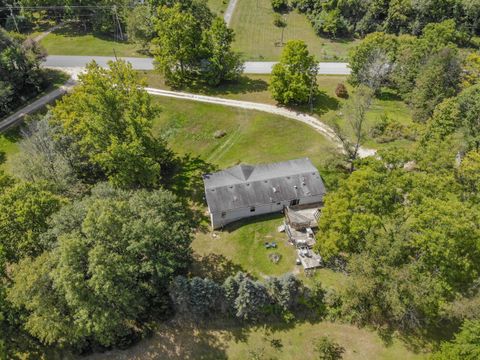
column 17, row 117
column 251, row 67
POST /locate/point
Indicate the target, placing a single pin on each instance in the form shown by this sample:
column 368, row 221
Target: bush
column 388, row 130
column 341, row 91
column 279, row 5
column 327, row 349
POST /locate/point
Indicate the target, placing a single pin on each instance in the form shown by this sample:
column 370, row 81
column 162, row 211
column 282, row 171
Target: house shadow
column 251, row 220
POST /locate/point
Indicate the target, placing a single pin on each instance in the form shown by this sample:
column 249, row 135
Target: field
column 180, row 340
column 258, row 39
column 71, row 40
column 251, row 136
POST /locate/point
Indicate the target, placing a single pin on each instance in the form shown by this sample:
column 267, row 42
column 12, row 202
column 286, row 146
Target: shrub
column 279, row 5
column 327, row 349
column 341, row 91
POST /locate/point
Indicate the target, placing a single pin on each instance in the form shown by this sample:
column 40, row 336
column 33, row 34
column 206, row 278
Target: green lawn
column 218, row 6
column 258, row 39
column 71, row 40
column 251, row 136
column 8, row 147
column 221, row 340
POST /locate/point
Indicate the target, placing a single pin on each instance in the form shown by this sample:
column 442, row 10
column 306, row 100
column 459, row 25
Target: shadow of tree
column 214, row 266
column 187, row 178
column 242, row 85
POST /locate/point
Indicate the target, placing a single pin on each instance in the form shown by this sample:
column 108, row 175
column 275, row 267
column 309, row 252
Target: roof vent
column 295, row 186
column 274, row 189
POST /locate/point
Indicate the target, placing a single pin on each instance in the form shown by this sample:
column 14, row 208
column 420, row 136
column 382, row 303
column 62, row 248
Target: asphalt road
column 17, row 117
column 251, row 67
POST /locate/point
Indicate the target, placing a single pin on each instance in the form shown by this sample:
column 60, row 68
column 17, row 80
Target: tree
column 469, row 174
column 355, row 110
column 197, row 298
column 327, row 349
column 41, row 158
column 465, row 345
column 469, row 107
column 223, row 63
column 177, row 47
column 471, row 70
column 280, row 22
column 251, row 301
column 438, row 79
column 294, row 77
column 106, row 125
column 372, row 61
column 116, row 253
column 25, row 209
column 191, row 47
column 140, row 26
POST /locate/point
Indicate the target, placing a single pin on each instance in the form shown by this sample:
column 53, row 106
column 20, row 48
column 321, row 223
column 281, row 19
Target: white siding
column 236, row 214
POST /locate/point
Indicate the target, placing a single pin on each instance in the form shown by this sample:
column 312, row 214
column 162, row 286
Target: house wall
column 219, row 221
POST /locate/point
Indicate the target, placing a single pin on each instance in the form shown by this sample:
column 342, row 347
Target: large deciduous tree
column 106, row 125
column 115, row 255
column 294, row 78
column 193, row 47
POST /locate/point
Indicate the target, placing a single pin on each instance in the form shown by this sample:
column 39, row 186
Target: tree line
column 405, row 223
column 356, row 17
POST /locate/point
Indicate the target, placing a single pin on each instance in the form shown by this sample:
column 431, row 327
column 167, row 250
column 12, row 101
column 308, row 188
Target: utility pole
column 310, row 100
column 119, row 25
column 13, row 17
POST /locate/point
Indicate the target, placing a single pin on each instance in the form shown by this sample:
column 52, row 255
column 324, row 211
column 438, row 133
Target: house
column 244, row 191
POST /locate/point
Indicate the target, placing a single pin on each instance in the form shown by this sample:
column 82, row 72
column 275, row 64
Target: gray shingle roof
column 245, row 185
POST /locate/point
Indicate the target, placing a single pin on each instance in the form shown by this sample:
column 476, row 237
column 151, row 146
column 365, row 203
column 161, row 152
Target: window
column 279, row 203
column 294, row 202
column 252, row 209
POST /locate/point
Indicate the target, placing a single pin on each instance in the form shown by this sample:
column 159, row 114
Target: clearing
column 258, row 39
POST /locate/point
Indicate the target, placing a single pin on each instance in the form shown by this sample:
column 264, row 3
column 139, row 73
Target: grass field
column 218, row 6
column 258, row 39
column 251, row 136
column 217, row 341
column 71, row 40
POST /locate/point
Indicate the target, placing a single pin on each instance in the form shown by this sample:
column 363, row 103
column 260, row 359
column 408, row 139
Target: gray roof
column 246, row 185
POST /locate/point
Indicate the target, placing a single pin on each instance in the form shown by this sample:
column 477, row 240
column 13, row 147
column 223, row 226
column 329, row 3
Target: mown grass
column 224, row 340
column 218, row 6
column 251, row 136
column 72, row 40
column 258, row 39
